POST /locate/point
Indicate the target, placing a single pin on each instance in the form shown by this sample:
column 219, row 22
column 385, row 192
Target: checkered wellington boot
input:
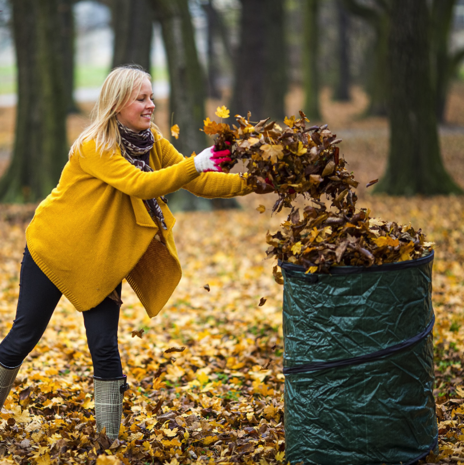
column 109, row 394
column 7, row 377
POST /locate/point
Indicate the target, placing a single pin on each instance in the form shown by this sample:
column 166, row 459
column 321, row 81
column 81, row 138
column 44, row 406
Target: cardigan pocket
column 143, row 218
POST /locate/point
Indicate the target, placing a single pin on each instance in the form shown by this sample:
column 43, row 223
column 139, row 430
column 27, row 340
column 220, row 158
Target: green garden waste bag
column 358, row 364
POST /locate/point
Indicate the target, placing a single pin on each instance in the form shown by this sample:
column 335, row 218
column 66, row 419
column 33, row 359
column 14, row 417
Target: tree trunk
column 133, row 31
column 188, row 90
column 276, row 83
column 250, row 78
column 311, row 59
column 67, row 36
column 443, row 72
column 414, row 163
column 260, row 66
column 39, row 152
column 213, row 68
column 342, row 88
column 376, row 85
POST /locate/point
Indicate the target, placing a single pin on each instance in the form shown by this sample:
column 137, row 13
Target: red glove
column 210, row 159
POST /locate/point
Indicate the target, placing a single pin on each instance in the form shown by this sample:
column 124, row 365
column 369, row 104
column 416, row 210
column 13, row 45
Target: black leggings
column 38, row 297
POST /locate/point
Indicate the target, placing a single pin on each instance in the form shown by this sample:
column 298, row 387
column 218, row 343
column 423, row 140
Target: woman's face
column 137, row 115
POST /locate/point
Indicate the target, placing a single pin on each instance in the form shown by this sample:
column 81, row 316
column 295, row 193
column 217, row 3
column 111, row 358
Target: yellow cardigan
column 93, row 230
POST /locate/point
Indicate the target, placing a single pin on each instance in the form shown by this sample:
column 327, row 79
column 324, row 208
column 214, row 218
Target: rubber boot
column 109, row 394
column 7, row 377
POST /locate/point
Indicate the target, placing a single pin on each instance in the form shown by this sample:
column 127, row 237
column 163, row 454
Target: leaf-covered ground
column 219, row 400
column 206, row 374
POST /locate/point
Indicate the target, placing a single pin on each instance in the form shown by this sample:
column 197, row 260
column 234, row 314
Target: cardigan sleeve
column 116, row 171
column 210, row 184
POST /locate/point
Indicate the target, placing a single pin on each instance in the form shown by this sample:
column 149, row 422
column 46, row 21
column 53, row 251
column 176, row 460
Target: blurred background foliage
column 391, row 64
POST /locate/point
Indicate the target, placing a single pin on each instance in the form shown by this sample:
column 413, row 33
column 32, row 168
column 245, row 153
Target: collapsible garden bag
column 358, row 364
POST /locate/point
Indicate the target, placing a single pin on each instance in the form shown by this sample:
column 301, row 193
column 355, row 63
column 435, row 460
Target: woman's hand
column 210, row 160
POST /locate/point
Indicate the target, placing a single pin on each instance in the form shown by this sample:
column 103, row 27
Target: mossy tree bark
column 133, row 31
column 40, row 146
column 342, row 87
column 260, row 81
column 311, row 59
column 414, row 164
column 376, row 85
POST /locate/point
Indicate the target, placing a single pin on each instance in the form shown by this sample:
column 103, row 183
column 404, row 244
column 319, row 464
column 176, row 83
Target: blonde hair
column 116, row 93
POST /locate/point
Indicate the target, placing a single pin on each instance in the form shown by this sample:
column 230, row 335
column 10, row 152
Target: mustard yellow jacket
column 93, row 230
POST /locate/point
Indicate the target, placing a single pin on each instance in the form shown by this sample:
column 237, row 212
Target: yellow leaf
column 270, row 411
column 174, row 372
column 300, row 150
column 88, row 402
column 202, row 377
column 261, row 209
column 108, row 460
column 386, row 241
column 290, row 122
column 460, row 391
column 174, row 461
column 405, row 251
column 158, row 383
column 296, row 248
column 222, row 112
column 170, row 433
column 375, row 222
column 280, row 456
column 272, row 152
column 175, row 131
column 44, row 460
column 209, row 440
column 311, row 269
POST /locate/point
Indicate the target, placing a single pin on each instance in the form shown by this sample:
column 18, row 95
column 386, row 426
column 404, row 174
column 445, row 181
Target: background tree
column 186, row 78
column 342, row 87
column 260, row 82
column 187, row 92
column 414, row 162
column 67, row 41
column 133, row 31
column 377, row 17
column 212, row 31
column 445, row 62
column 311, row 59
column 40, row 146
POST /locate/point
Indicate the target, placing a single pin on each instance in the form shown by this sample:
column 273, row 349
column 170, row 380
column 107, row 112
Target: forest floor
column 206, row 373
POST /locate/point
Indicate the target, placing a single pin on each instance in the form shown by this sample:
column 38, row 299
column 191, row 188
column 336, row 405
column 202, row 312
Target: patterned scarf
column 136, row 148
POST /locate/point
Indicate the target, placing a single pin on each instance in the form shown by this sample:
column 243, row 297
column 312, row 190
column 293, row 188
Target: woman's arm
column 116, row 171
column 209, row 184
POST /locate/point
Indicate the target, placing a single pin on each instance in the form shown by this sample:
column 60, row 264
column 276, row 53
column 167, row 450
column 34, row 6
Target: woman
column 105, row 221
